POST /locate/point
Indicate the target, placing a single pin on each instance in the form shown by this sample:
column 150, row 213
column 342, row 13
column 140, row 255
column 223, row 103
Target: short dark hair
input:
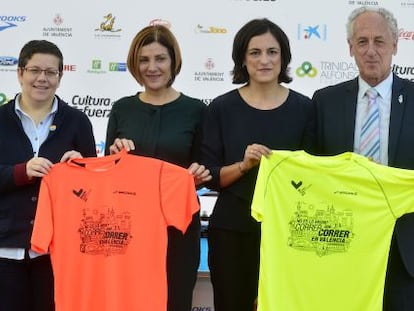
column 257, row 27
column 39, row 47
column 148, row 35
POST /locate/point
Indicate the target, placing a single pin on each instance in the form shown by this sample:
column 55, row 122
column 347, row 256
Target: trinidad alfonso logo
column 323, row 230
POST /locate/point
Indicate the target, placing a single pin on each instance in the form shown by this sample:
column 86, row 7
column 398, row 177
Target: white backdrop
column 95, row 50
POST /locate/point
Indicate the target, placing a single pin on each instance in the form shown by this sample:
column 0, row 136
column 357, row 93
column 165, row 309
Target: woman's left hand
column 200, row 172
column 72, row 154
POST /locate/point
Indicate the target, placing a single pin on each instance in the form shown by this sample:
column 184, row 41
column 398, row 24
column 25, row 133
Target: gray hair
column 387, row 15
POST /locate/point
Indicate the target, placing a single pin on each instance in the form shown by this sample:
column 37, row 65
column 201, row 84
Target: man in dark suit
column 372, row 35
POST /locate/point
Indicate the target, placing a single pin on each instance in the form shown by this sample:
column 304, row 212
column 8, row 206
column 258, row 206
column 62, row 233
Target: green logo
column 306, row 69
column 96, row 64
column 3, row 99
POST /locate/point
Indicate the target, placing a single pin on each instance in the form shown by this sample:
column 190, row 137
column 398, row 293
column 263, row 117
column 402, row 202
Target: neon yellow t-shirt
column 327, row 224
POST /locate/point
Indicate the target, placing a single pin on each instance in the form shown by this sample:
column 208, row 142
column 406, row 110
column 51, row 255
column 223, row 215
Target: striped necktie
column 370, row 136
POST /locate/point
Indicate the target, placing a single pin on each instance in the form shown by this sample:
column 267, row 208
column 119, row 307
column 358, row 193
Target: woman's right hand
column 38, row 167
column 252, row 156
column 121, row 143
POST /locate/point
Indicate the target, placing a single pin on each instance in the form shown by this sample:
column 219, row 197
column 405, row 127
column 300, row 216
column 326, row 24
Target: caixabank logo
column 312, row 32
column 10, row 21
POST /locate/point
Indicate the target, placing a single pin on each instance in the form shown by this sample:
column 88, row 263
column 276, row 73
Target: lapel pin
column 400, row 99
column 53, row 127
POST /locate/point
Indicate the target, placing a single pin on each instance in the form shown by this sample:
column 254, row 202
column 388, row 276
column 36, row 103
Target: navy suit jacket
column 336, row 110
column 72, row 131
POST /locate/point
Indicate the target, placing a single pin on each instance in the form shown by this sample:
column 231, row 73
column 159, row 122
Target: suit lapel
column 396, row 115
column 349, row 103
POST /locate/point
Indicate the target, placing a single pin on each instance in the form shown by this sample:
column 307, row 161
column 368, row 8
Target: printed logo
column 209, row 64
column 69, row 67
column 210, row 30
column 335, row 72
column 97, row 107
column 306, row 69
column 100, row 148
column 8, row 61
column 10, row 21
column 312, row 32
column 298, row 185
column 7, row 25
column 81, row 194
column 3, row 99
column 107, row 29
column 57, row 30
column 108, row 24
column 406, row 72
column 96, row 67
column 161, row 22
column 407, row 4
column 58, row 20
column 96, row 64
column 105, row 231
column 206, row 101
column 209, row 75
column 364, row 3
column 321, row 230
column 125, row 192
column 405, row 34
column 117, row 66
column 345, row 192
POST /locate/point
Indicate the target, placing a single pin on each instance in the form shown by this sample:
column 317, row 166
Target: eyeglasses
column 35, row 72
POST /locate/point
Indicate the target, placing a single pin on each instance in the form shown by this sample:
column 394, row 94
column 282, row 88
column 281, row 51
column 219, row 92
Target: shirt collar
column 383, row 88
column 19, row 109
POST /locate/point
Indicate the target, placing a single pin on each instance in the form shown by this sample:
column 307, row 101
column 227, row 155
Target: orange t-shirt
column 104, row 221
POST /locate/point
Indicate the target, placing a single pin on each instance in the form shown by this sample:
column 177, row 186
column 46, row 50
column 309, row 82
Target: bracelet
column 242, row 171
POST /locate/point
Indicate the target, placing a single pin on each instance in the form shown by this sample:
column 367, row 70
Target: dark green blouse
column 169, row 132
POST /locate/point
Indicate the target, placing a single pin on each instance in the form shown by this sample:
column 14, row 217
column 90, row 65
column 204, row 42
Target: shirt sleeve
column 178, row 196
column 398, row 187
column 43, row 224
